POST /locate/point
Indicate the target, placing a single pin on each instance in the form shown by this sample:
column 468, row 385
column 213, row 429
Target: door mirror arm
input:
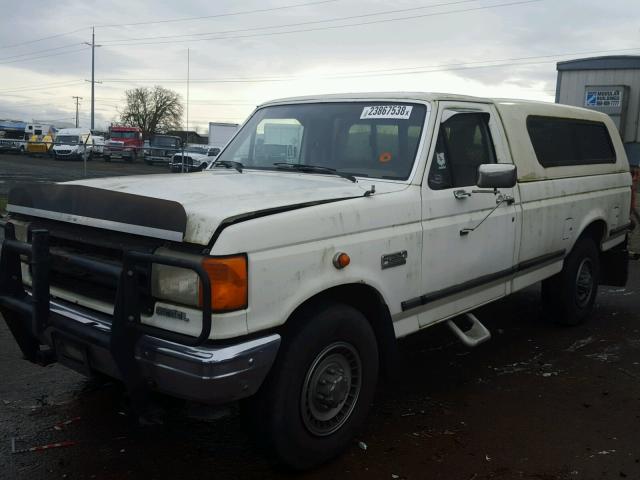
column 500, row 199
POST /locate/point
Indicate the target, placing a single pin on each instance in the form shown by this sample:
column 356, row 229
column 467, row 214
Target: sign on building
column 603, row 98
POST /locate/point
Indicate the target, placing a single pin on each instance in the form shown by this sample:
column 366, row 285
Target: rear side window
column 561, row 142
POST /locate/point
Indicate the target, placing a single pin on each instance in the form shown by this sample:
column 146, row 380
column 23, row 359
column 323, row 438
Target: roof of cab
column 419, row 96
column 501, row 103
column 506, row 106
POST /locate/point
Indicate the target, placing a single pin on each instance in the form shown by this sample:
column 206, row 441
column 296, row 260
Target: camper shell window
column 561, row 142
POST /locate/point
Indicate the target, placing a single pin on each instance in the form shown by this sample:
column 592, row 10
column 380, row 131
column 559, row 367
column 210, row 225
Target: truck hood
column 210, row 199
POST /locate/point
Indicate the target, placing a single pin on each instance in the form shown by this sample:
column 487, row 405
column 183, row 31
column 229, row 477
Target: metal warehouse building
column 607, row 84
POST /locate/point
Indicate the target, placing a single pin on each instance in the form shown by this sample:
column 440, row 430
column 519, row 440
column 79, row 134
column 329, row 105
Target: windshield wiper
column 301, row 167
column 228, row 164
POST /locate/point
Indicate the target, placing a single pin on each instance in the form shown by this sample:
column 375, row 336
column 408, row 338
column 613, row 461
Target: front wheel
column 320, row 388
column 569, row 296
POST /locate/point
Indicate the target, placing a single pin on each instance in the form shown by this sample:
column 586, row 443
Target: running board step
column 475, row 335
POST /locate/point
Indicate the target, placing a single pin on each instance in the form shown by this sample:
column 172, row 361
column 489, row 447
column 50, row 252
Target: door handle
column 460, row 194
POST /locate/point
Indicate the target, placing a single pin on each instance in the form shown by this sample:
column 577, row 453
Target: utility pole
column 77, row 99
column 188, row 63
column 187, row 128
column 93, row 74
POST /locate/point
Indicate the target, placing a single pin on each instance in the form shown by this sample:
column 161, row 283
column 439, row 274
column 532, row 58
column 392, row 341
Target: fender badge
column 170, row 313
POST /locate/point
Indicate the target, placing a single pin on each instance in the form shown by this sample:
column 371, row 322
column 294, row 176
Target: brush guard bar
column 126, row 327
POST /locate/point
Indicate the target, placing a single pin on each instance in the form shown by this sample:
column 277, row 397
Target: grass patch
column 3, row 204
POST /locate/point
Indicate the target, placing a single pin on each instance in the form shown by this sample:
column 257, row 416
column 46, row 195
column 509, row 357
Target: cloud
column 318, row 61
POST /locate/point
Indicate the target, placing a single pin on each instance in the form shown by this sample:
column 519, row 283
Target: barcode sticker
column 402, row 112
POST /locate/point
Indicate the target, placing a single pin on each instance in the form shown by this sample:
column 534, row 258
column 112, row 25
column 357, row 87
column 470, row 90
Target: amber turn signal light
column 229, row 282
column 341, row 260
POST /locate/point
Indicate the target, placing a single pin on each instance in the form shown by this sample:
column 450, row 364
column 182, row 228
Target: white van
column 73, row 144
column 327, row 228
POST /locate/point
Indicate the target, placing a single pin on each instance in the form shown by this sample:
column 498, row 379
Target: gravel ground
column 23, row 168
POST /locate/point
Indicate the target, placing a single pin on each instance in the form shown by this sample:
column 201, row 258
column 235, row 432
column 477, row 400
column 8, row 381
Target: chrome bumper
column 208, row 373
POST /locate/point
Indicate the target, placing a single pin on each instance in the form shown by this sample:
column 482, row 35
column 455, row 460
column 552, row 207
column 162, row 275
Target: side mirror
column 497, row 175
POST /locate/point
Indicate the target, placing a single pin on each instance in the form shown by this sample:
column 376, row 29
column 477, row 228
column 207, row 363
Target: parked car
column 162, row 148
column 73, row 144
column 285, row 273
column 12, row 145
column 196, row 158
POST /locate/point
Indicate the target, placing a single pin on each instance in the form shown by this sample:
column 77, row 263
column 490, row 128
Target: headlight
column 228, row 277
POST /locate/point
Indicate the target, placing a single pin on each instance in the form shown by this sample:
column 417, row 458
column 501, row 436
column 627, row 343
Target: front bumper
column 207, row 373
column 178, row 167
column 157, row 159
column 118, row 153
column 67, row 155
column 143, row 357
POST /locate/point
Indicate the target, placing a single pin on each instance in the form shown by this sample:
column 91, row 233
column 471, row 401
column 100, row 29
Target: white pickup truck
column 326, row 229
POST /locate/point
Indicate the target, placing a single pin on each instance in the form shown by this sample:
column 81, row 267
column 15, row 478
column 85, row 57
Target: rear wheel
column 320, row 388
column 569, row 296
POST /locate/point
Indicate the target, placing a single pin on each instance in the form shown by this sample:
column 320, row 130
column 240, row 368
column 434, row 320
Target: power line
column 42, row 38
column 329, row 27
column 219, row 15
column 75, row 44
column 42, row 86
column 43, row 56
column 298, row 24
column 495, row 63
column 186, row 19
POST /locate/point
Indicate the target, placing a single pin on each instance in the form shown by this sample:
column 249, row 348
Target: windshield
column 367, row 139
column 124, row 134
column 164, row 142
column 67, row 139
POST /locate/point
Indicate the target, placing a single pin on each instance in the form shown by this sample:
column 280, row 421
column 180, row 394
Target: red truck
column 124, row 143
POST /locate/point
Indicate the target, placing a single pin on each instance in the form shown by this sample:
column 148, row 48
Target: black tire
column 569, row 296
column 107, row 158
column 333, row 343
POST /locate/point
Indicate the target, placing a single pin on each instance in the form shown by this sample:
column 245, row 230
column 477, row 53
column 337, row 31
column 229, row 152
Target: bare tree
column 154, row 110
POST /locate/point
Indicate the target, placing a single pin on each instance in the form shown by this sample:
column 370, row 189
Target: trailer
column 221, row 133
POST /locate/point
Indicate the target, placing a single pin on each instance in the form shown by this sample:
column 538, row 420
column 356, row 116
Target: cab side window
column 464, row 143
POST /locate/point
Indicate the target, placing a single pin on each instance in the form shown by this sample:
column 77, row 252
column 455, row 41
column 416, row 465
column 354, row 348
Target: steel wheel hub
column 584, row 282
column 331, row 388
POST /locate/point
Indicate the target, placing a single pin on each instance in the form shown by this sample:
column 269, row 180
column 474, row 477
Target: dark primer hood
column 96, row 207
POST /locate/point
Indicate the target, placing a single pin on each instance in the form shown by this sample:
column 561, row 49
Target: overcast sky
column 241, row 53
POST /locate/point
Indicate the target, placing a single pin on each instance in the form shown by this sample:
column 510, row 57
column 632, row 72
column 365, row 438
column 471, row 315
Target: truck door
column 464, row 270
